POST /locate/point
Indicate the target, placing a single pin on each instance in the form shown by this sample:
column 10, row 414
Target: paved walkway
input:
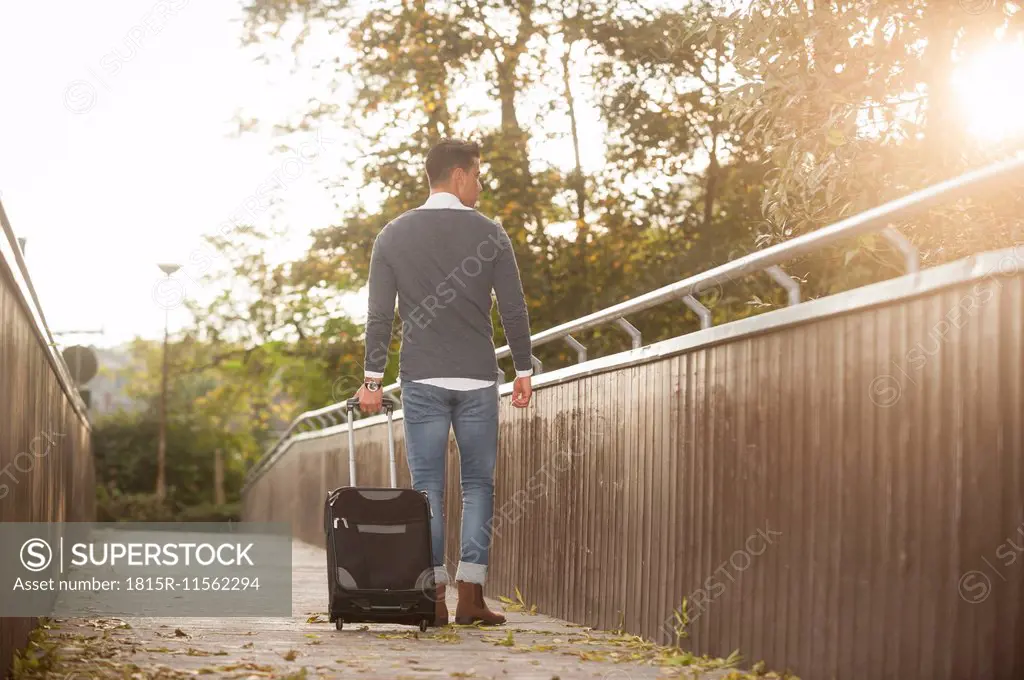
column 307, row 646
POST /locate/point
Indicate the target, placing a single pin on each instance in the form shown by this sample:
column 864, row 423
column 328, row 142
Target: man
column 442, row 260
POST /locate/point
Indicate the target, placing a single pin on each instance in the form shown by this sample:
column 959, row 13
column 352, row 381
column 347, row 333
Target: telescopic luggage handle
column 388, row 403
column 389, row 408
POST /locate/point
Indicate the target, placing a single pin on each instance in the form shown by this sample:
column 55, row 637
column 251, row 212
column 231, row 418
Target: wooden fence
column 46, row 468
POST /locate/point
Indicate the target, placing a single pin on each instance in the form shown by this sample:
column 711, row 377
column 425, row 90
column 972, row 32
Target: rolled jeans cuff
column 471, row 573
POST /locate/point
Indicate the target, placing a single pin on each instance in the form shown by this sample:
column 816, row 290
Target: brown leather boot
column 440, row 607
column 472, row 608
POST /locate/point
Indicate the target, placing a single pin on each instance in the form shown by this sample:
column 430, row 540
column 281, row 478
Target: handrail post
column 911, row 259
column 634, row 334
column 581, row 351
column 702, row 312
column 787, row 282
column 538, row 367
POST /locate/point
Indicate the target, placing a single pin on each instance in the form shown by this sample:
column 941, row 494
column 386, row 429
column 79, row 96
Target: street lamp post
column 161, row 445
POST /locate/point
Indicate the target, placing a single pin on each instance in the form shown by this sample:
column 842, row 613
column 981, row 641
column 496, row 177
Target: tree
column 202, row 417
column 727, row 130
column 853, row 104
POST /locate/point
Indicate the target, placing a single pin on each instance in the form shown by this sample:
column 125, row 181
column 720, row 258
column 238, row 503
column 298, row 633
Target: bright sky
column 114, row 131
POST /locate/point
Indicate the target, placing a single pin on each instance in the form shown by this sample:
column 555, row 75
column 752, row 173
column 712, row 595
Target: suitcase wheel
column 339, row 624
column 423, row 625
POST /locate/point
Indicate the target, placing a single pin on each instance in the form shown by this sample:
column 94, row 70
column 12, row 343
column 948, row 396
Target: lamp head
column 169, row 268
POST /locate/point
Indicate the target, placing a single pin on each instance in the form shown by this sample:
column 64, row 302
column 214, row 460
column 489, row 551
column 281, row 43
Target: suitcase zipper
column 400, row 522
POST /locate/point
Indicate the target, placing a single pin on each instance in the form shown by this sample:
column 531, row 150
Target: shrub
column 114, row 506
column 211, row 512
column 133, row 507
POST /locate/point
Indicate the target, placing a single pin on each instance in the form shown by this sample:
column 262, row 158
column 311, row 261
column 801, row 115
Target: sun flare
column 990, row 87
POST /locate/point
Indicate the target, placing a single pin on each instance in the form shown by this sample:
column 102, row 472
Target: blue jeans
column 429, row 412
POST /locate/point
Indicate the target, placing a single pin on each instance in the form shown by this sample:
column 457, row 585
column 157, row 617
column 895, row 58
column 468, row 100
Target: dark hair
column 447, row 155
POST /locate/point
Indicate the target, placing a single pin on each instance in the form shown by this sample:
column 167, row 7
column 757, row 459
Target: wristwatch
column 371, row 385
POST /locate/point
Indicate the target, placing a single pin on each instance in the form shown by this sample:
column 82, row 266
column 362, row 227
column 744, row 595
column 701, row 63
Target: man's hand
column 521, row 392
column 370, row 402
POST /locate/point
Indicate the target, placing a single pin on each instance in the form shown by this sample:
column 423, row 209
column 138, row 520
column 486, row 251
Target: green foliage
column 582, row 242
column 207, row 411
column 853, row 105
column 125, row 454
column 680, row 623
column 211, row 512
column 114, row 506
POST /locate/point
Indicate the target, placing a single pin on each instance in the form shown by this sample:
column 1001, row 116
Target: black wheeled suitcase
column 378, row 548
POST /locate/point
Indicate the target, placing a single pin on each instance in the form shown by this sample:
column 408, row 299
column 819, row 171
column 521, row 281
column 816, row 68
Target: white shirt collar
column 443, row 200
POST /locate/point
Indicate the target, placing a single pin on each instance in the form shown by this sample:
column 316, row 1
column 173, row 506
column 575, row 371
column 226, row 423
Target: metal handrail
column 875, row 219
column 878, row 219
